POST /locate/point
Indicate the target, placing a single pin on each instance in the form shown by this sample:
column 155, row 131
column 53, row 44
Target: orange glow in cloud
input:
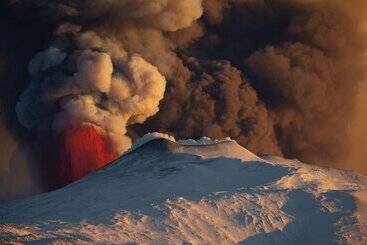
column 83, row 149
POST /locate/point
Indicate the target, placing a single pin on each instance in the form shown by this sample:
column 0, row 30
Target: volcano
column 194, row 192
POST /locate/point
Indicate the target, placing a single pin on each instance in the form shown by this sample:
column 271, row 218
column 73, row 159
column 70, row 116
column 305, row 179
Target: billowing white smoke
column 85, row 78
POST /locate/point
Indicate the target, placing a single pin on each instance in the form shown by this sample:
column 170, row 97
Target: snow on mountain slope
column 211, row 192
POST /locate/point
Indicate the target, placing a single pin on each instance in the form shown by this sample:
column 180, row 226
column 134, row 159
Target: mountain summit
column 195, row 192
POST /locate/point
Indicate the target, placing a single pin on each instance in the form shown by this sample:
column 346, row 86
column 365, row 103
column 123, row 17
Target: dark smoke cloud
column 358, row 155
column 300, row 87
column 20, row 40
column 304, row 61
column 280, row 77
column 211, row 98
column 308, row 81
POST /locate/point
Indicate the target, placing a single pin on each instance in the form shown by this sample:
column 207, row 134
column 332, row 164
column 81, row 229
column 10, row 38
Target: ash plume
column 19, row 171
column 94, row 77
column 211, row 98
column 356, row 159
column 97, row 83
column 303, row 60
column 280, row 77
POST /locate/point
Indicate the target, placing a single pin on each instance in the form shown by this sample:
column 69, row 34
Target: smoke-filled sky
column 281, row 77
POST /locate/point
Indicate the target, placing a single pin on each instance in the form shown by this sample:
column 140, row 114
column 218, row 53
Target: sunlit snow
column 198, row 192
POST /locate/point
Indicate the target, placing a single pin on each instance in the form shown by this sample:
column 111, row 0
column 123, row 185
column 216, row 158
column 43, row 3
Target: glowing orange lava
column 83, row 149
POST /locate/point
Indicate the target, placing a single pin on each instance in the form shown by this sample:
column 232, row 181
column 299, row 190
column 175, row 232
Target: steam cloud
column 280, row 77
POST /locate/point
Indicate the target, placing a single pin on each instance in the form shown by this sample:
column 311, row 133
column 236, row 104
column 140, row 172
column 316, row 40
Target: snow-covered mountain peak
column 202, row 192
column 204, row 147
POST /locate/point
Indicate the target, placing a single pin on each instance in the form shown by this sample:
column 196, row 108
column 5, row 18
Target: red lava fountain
column 84, row 148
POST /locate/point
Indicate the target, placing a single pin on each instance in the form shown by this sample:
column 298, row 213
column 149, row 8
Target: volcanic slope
column 195, row 192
